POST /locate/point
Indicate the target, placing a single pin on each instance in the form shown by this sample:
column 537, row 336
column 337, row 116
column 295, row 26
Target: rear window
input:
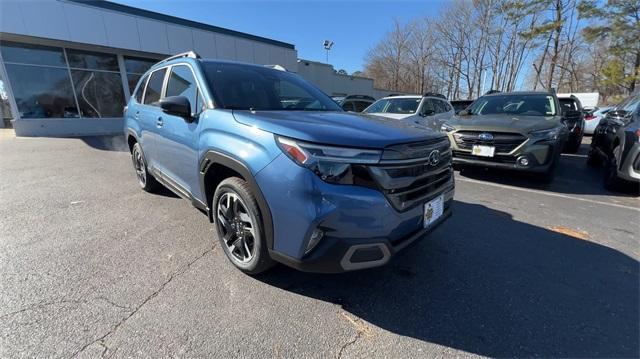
column 395, row 105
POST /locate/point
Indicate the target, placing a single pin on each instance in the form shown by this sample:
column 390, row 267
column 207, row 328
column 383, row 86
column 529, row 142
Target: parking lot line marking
column 548, row 193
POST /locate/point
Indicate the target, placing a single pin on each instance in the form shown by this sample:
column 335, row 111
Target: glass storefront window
column 5, row 107
column 99, row 94
column 92, row 60
column 32, row 54
column 135, row 67
column 42, row 92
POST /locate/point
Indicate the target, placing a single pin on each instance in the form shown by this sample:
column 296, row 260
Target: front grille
column 504, row 142
column 409, row 179
column 497, row 158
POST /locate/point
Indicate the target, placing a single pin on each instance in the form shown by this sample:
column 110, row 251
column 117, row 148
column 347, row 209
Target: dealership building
column 67, row 67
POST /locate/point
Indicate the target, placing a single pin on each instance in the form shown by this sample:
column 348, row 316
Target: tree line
column 472, row 46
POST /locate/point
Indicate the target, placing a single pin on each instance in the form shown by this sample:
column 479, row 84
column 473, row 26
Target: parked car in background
column 430, row 110
column 615, row 144
column 459, row 105
column 592, row 118
column 284, row 173
column 574, row 119
column 354, row 103
column 521, row 131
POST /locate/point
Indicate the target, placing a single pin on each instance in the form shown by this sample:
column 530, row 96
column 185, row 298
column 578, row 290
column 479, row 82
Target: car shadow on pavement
column 491, row 285
column 107, row 143
column 573, row 176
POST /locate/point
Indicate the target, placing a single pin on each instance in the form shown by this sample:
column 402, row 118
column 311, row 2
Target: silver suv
column 431, row 110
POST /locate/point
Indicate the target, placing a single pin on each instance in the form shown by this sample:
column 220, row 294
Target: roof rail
column 434, row 94
column 276, row 67
column 189, row 54
column 490, row 92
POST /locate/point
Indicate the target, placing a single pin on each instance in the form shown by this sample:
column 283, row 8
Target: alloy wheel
column 237, row 227
column 138, row 164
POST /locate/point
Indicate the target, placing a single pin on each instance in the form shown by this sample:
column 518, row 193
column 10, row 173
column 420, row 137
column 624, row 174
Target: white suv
column 431, row 110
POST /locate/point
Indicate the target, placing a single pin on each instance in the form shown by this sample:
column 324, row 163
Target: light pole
column 327, row 46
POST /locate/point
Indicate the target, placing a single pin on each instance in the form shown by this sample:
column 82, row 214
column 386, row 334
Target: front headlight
column 546, row 135
column 447, row 128
column 331, row 164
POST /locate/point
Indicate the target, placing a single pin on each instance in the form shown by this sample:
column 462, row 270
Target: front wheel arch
column 216, row 167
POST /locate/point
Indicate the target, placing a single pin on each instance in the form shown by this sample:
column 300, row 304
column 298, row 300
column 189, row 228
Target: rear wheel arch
column 216, row 167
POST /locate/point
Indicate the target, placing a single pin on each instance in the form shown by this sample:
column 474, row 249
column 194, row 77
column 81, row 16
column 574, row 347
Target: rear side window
column 361, row 105
column 428, row 107
column 568, row 104
column 140, row 90
column 154, row 87
column 347, row 106
column 182, row 83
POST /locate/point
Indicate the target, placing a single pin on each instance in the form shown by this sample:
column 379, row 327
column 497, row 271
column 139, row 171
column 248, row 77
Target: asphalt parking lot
column 92, row 266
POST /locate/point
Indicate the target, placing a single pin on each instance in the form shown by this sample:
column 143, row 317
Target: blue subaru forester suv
column 284, row 173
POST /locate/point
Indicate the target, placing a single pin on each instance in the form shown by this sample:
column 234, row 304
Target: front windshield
column 246, row 87
column 395, row 105
column 524, row 105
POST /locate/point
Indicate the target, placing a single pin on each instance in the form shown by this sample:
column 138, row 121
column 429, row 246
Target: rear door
column 177, row 144
column 148, row 114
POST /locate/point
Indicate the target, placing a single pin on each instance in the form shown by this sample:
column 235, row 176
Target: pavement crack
column 43, row 305
column 361, row 330
column 172, row 276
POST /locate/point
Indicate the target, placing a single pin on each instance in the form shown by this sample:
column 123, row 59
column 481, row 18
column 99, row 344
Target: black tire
column 593, row 159
column 146, row 181
column 611, row 180
column 242, row 238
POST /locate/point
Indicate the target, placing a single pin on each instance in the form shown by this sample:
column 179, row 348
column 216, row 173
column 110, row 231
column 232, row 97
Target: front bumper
column 539, row 155
column 361, row 228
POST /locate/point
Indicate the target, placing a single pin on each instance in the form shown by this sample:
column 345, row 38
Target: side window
column 154, row 87
column 447, row 106
column 140, row 89
column 361, row 105
column 428, row 107
column 182, row 83
column 348, row 106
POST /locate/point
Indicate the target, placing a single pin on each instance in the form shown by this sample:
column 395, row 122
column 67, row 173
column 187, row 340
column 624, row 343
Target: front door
column 177, row 144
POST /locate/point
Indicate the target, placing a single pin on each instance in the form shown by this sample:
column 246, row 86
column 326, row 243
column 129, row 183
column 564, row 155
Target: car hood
column 395, row 116
column 336, row 128
column 504, row 123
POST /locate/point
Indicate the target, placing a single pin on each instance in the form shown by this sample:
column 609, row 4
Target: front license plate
column 483, row 151
column 433, row 210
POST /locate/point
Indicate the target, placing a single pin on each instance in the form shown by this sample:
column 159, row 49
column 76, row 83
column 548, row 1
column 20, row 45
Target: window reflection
column 92, row 60
column 135, row 67
column 5, row 108
column 99, row 94
column 42, row 92
column 32, row 54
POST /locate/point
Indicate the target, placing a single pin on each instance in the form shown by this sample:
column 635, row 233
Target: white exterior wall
column 81, row 23
column 332, row 83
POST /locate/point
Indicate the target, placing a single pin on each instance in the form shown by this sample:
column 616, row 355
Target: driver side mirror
column 178, row 106
column 463, row 113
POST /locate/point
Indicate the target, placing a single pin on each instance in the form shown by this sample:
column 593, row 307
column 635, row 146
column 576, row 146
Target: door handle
column 159, row 122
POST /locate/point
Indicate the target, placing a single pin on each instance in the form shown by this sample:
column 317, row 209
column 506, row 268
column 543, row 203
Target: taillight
column 589, row 117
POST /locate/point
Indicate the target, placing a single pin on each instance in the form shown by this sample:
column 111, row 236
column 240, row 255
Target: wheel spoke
column 246, row 247
column 250, row 231
column 244, row 217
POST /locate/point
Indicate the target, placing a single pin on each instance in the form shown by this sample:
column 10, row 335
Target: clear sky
column 354, row 26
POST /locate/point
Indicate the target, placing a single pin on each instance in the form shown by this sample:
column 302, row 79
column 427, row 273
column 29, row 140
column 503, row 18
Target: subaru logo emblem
column 434, row 157
column 485, row 136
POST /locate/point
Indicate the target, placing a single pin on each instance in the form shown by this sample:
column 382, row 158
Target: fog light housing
column 523, row 161
column 315, row 238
